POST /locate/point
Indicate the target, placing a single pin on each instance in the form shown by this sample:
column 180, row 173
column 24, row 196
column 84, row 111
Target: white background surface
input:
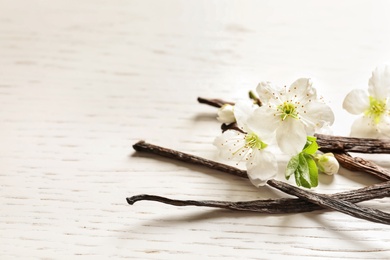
column 81, row 81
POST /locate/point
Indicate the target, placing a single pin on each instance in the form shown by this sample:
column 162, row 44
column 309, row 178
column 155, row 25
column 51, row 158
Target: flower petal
column 364, row 127
column 384, row 127
column 229, row 143
column 291, row 136
column 356, row 102
column 242, row 111
column 325, row 129
column 316, row 116
column 261, row 167
column 267, row 92
column 302, row 90
column 379, row 83
column 264, row 123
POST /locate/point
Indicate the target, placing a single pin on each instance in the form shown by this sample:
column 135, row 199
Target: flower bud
column 327, row 163
column 226, row 114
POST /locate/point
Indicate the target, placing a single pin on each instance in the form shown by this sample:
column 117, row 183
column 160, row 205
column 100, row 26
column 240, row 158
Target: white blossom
column 374, row 106
column 293, row 113
column 248, row 146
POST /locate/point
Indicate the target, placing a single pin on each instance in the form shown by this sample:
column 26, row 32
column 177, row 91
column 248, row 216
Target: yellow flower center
column 376, row 110
column 288, row 109
column 253, row 141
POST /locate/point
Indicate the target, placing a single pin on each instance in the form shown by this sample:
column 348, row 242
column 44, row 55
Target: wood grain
column 81, row 81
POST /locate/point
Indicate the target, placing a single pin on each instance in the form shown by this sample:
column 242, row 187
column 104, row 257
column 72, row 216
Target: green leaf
column 292, row 166
column 313, row 170
column 304, row 167
column 311, row 138
column 311, row 147
column 302, row 173
column 297, row 179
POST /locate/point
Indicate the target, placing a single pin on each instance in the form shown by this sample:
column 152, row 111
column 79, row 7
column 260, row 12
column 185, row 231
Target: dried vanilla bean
column 275, row 206
column 360, row 164
column 331, row 143
column 326, row 201
column 214, row 102
column 270, row 206
column 232, row 126
column 142, row 146
column 353, row 165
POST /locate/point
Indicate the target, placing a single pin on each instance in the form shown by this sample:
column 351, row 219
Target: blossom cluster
column 287, row 119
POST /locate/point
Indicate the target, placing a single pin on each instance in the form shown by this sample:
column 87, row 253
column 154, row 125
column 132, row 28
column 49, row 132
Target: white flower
column 248, row 146
column 294, row 113
column 327, row 163
column 226, row 114
column 374, row 105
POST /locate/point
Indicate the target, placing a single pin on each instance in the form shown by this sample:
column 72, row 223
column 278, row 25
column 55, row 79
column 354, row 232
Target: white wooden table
column 81, row 81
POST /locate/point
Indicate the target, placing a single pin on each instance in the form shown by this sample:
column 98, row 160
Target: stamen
column 288, row 109
column 376, row 110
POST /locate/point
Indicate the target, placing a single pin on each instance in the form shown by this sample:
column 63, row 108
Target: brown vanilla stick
column 275, row 206
column 360, row 164
column 232, row 126
column 270, row 206
column 142, row 146
column 351, row 164
column 214, row 102
column 352, row 144
column 333, row 203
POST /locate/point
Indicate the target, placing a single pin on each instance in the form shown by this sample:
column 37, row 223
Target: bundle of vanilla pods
column 306, row 201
